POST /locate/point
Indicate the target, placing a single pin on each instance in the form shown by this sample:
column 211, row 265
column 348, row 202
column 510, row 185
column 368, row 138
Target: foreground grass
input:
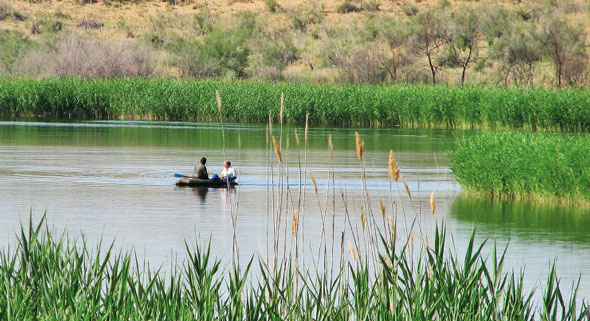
column 244, row 101
column 525, row 165
column 50, row 278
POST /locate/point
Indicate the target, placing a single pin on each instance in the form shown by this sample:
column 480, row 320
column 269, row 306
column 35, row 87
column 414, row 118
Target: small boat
column 190, row 181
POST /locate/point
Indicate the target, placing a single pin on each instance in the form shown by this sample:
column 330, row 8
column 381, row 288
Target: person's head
column 227, row 164
column 203, row 160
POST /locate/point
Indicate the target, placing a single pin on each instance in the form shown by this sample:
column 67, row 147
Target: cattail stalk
column 315, row 184
column 277, row 149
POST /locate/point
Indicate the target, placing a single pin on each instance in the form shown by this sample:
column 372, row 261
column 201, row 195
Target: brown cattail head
column 407, row 188
column 270, row 121
column 382, row 209
column 432, row 205
column 351, row 248
column 277, row 149
column 393, row 169
column 295, row 222
column 218, row 98
column 315, row 185
column 363, row 217
column 359, row 145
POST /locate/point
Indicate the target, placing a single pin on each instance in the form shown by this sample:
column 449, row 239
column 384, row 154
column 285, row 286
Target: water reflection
column 528, row 220
column 201, row 193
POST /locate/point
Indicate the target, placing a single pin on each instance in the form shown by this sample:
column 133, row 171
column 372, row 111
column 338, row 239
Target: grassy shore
column 48, row 277
column 525, row 165
column 248, row 101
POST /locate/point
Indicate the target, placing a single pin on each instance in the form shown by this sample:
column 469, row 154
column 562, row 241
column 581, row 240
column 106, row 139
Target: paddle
column 179, row 175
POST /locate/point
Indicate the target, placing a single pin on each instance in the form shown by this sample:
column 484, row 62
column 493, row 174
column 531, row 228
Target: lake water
column 115, row 180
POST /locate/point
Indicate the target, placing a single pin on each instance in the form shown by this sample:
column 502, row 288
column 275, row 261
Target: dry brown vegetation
column 507, row 43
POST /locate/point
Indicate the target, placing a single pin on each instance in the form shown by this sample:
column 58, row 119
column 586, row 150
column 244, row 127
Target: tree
column 561, row 43
column 462, row 41
column 396, row 34
column 429, row 37
column 519, row 53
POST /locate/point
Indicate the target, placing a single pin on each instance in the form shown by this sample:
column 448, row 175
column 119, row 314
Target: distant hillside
column 528, row 43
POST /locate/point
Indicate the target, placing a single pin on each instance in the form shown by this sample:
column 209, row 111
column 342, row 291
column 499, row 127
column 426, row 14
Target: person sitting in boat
column 228, row 172
column 200, row 171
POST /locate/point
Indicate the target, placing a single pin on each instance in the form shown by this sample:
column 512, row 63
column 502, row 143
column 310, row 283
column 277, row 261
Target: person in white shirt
column 228, row 171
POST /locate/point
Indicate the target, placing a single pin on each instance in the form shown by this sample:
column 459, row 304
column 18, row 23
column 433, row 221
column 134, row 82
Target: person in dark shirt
column 200, row 171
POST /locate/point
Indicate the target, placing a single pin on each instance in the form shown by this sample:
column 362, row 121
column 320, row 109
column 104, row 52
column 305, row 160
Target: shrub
column 370, row 5
column 409, row 9
column 347, row 7
column 303, row 17
column 272, row 5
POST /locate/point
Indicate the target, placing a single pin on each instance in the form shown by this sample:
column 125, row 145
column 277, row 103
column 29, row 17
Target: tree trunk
column 432, row 70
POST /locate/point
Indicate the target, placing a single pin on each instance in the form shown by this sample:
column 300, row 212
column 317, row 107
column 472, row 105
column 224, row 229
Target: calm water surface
column 115, row 180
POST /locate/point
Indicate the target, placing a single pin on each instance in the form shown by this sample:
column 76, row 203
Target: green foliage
column 303, row 17
column 49, row 277
column 523, row 165
column 249, row 101
column 409, row 9
column 13, row 48
column 272, row 5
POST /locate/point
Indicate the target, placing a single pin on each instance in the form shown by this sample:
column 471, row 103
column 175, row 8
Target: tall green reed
column 524, row 165
column 249, row 101
column 53, row 277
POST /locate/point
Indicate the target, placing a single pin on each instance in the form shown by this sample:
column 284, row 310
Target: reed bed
column 249, row 101
column 525, row 165
column 49, row 277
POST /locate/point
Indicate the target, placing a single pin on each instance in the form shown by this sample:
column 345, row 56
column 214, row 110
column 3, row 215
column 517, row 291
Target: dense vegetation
column 50, row 278
column 529, row 43
column 404, row 105
column 525, row 165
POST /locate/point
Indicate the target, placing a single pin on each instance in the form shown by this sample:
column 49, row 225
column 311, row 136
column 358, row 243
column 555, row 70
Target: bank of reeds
column 248, row 101
column 525, row 165
column 49, row 277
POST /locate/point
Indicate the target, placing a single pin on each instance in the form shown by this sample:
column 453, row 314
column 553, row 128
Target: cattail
column 426, row 241
column 406, row 186
column 382, row 210
column 363, row 217
column 277, row 149
column 393, row 169
column 351, row 248
column 218, row 98
column 359, row 145
column 412, row 240
column 393, row 227
column 270, row 122
column 295, row 222
column 296, row 136
column 282, row 107
column 315, row 185
column 432, row 205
